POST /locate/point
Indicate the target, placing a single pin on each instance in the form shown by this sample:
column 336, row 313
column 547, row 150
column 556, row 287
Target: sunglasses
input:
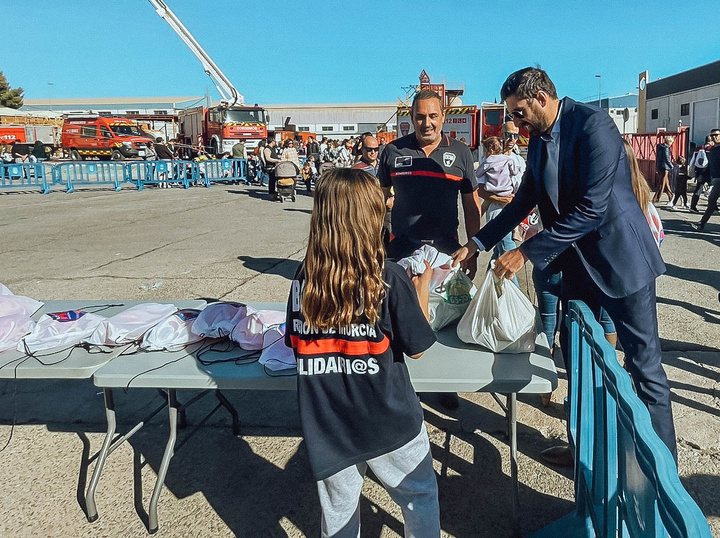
column 368, row 149
column 512, row 135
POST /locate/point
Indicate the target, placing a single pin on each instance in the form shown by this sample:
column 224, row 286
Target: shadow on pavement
column 272, row 266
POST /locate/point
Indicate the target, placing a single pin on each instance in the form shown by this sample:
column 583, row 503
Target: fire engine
column 217, row 128
column 90, row 135
column 26, row 128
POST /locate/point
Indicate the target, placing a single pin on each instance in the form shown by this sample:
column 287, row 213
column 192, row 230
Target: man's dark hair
column 425, row 94
column 525, row 83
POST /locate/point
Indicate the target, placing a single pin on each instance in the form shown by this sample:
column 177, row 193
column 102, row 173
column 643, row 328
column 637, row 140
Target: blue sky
column 340, row 52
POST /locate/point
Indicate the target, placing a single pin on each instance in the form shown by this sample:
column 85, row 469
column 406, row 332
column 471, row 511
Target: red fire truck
column 219, row 128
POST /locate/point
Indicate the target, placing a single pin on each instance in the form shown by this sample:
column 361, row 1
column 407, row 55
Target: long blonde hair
column 345, row 257
column 639, row 184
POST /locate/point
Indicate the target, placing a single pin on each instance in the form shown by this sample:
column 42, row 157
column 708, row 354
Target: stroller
column 286, row 173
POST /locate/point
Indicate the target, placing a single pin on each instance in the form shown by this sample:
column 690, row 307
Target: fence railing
column 626, row 481
column 68, row 175
column 75, row 173
column 24, row 176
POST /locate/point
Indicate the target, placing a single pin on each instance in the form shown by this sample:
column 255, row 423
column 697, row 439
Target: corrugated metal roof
column 705, row 75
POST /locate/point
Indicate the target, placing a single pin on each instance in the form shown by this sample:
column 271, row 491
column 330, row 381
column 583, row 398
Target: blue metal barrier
column 216, row 170
column 22, row 176
column 626, row 481
column 159, row 173
column 75, row 173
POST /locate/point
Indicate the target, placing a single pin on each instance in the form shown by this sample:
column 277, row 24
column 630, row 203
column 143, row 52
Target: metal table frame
column 448, row 366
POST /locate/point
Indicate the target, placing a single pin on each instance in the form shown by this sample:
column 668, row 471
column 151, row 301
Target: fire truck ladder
column 222, row 83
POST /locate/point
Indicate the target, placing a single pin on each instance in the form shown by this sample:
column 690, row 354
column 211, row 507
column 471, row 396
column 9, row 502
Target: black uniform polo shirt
column 426, row 192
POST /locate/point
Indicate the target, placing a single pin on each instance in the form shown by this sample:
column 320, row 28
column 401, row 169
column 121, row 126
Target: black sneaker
column 697, row 227
column 694, row 210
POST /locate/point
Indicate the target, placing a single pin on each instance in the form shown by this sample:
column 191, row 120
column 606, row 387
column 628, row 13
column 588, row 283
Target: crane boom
column 222, row 83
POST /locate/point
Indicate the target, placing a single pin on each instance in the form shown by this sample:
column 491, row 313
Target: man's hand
column 508, row 264
column 465, row 254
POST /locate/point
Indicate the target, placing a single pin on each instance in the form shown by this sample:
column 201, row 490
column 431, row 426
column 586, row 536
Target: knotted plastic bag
column 60, row 330
column 13, row 328
column 249, row 331
column 217, row 320
column 130, row 325
column 173, row 333
column 275, row 354
column 499, row 318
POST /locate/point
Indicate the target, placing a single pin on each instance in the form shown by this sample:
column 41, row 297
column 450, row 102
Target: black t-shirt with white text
column 426, row 192
column 354, row 392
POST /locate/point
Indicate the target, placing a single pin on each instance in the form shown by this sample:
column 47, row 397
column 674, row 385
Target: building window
column 160, row 112
column 326, row 129
column 685, row 109
column 304, row 129
column 654, row 114
column 105, row 113
column 132, row 112
column 348, row 127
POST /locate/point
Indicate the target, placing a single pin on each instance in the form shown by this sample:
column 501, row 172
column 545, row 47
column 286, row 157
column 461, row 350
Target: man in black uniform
column 427, row 169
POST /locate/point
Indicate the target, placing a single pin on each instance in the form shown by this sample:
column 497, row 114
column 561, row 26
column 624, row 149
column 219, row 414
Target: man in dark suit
column 594, row 230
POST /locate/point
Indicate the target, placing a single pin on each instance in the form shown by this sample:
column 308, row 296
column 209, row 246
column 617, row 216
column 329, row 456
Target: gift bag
column 499, row 318
column 450, row 299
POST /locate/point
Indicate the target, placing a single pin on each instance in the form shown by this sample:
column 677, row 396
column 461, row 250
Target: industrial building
column 688, row 99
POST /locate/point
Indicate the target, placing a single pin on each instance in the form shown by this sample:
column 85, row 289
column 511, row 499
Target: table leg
column 92, row 513
column 231, row 409
column 165, row 463
column 515, row 491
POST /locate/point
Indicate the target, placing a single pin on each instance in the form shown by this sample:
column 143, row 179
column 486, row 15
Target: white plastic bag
column 130, row 325
column 249, row 331
column 13, row 328
column 11, row 304
column 450, row 299
column 173, row 333
column 275, row 354
column 440, row 263
column 217, row 320
column 500, row 318
column 60, row 330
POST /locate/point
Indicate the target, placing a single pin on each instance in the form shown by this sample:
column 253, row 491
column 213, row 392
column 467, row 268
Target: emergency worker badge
column 448, row 159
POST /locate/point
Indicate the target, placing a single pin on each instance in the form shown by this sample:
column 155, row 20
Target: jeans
column 703, row 176
column 712, row 200
column 548, row 286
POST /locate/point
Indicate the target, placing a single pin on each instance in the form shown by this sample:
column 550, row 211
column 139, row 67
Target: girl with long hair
column 642, row 193
column 351, row 318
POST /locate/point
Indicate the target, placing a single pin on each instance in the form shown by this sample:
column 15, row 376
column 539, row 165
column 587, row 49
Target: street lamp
column 50, row 85
column 599, row 77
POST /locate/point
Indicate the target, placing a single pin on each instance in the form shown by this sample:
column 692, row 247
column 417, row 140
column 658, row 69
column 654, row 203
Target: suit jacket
column 591, row 209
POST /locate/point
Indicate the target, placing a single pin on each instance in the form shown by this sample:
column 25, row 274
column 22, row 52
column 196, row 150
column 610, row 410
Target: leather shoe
column 559, row 456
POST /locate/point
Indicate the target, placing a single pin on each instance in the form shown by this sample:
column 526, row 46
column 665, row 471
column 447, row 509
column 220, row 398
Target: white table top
column 78, row 364
column 448, row 366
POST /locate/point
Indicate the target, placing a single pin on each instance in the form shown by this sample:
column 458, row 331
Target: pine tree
column 9, row 97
